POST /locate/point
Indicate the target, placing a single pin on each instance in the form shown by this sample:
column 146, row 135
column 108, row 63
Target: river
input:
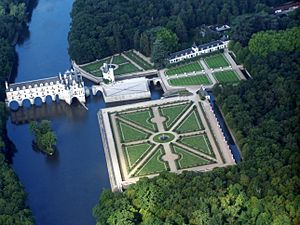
column 62, row 189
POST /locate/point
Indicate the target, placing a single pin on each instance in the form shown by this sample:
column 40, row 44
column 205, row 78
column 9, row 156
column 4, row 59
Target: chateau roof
column 48, row 80
column 33, row 82
column 200, row 47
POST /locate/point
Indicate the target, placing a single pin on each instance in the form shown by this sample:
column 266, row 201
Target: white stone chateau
column 65, row 87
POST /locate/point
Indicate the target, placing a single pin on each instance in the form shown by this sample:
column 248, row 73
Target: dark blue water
column 233, row 147
column 63, row 189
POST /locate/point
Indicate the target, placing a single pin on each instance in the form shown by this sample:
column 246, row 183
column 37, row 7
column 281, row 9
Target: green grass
column 198, row 142
column 154, row 164
column 119, row 59
column 188, row 159
column 188, row 68
column 228, row 76
column 191, row 123
column 190, row 80
column 216, row 61
column 135, row 152
column 126, row 68
column 138, row 60
column 172, row 113
column 95, row 65
column 129, row 133
column 97, row 73
column 141, row 118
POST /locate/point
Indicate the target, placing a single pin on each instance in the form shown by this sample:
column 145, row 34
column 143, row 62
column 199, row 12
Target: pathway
column 234, row 65
column 116, row 158
column 132, row 62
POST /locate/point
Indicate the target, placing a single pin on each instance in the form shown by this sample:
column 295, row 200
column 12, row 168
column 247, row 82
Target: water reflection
column 49, row 111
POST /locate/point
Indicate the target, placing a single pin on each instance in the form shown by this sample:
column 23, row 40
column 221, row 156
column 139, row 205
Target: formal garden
column 138, row 60
column 186, row 68
column 227, row 76
column 216, row 61
column 125, row 63
column 170, row 136
column 201, row 79
column 192, row 73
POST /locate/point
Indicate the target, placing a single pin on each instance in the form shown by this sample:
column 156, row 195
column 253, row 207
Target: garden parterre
column 164, row 135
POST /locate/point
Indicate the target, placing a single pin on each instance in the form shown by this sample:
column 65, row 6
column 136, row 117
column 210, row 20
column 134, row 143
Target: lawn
column 188, row 68
column 135, row 152
column 188, row 159
column 154, row 164
column 95, row 65
column 216, row 61
column 126, row 68
column 198, row 142
column 119, row 59
column 190, row 80
column 191, row 123
column 97, row 73
column 172, row 113
column 138, row 60
column 141, row 118
column 228, row 76
column 129, row 133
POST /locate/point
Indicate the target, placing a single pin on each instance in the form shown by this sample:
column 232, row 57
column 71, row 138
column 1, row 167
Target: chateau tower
column 108, row 72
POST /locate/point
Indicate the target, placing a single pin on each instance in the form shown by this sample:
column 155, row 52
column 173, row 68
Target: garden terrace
column 216, row 61
column 192, row 67
column 170, row 134
column 227, row 76
column 138, row 60
column 190, row 80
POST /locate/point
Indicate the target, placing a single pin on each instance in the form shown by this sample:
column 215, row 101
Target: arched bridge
column 64, row 87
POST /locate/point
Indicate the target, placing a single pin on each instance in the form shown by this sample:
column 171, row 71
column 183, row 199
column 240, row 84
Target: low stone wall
column 95, row 79
column 112, row 177
column 86, row 74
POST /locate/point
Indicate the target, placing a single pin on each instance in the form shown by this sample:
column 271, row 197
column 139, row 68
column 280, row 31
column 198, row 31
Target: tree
column 180, row 30
column 45, row 139
column 159, row 52
column 136, row 40
column 168, row 38
column 145, row 44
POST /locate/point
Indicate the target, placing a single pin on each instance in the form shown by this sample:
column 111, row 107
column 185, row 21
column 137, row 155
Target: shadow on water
column 24, row 115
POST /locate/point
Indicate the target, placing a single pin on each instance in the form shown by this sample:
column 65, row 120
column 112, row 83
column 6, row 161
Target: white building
column 197, row 51
column 108, row 73
column 65, row 87
column 124, row 90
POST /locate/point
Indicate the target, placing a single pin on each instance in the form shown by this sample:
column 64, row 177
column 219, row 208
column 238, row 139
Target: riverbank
column 13, row 197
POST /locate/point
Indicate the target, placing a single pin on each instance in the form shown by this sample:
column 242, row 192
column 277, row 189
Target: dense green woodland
column 100, row 27
column 263, row 113
column 14, row 15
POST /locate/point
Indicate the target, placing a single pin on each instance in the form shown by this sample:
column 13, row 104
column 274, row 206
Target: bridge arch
column 98, row 93
column 38, row 101
column 26, row 102
column 14, row 105
column 49, row 99
column 75, row 100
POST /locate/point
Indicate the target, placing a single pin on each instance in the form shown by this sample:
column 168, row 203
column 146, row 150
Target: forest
column 263, row 114
column 100, row 27
column 14, row 15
